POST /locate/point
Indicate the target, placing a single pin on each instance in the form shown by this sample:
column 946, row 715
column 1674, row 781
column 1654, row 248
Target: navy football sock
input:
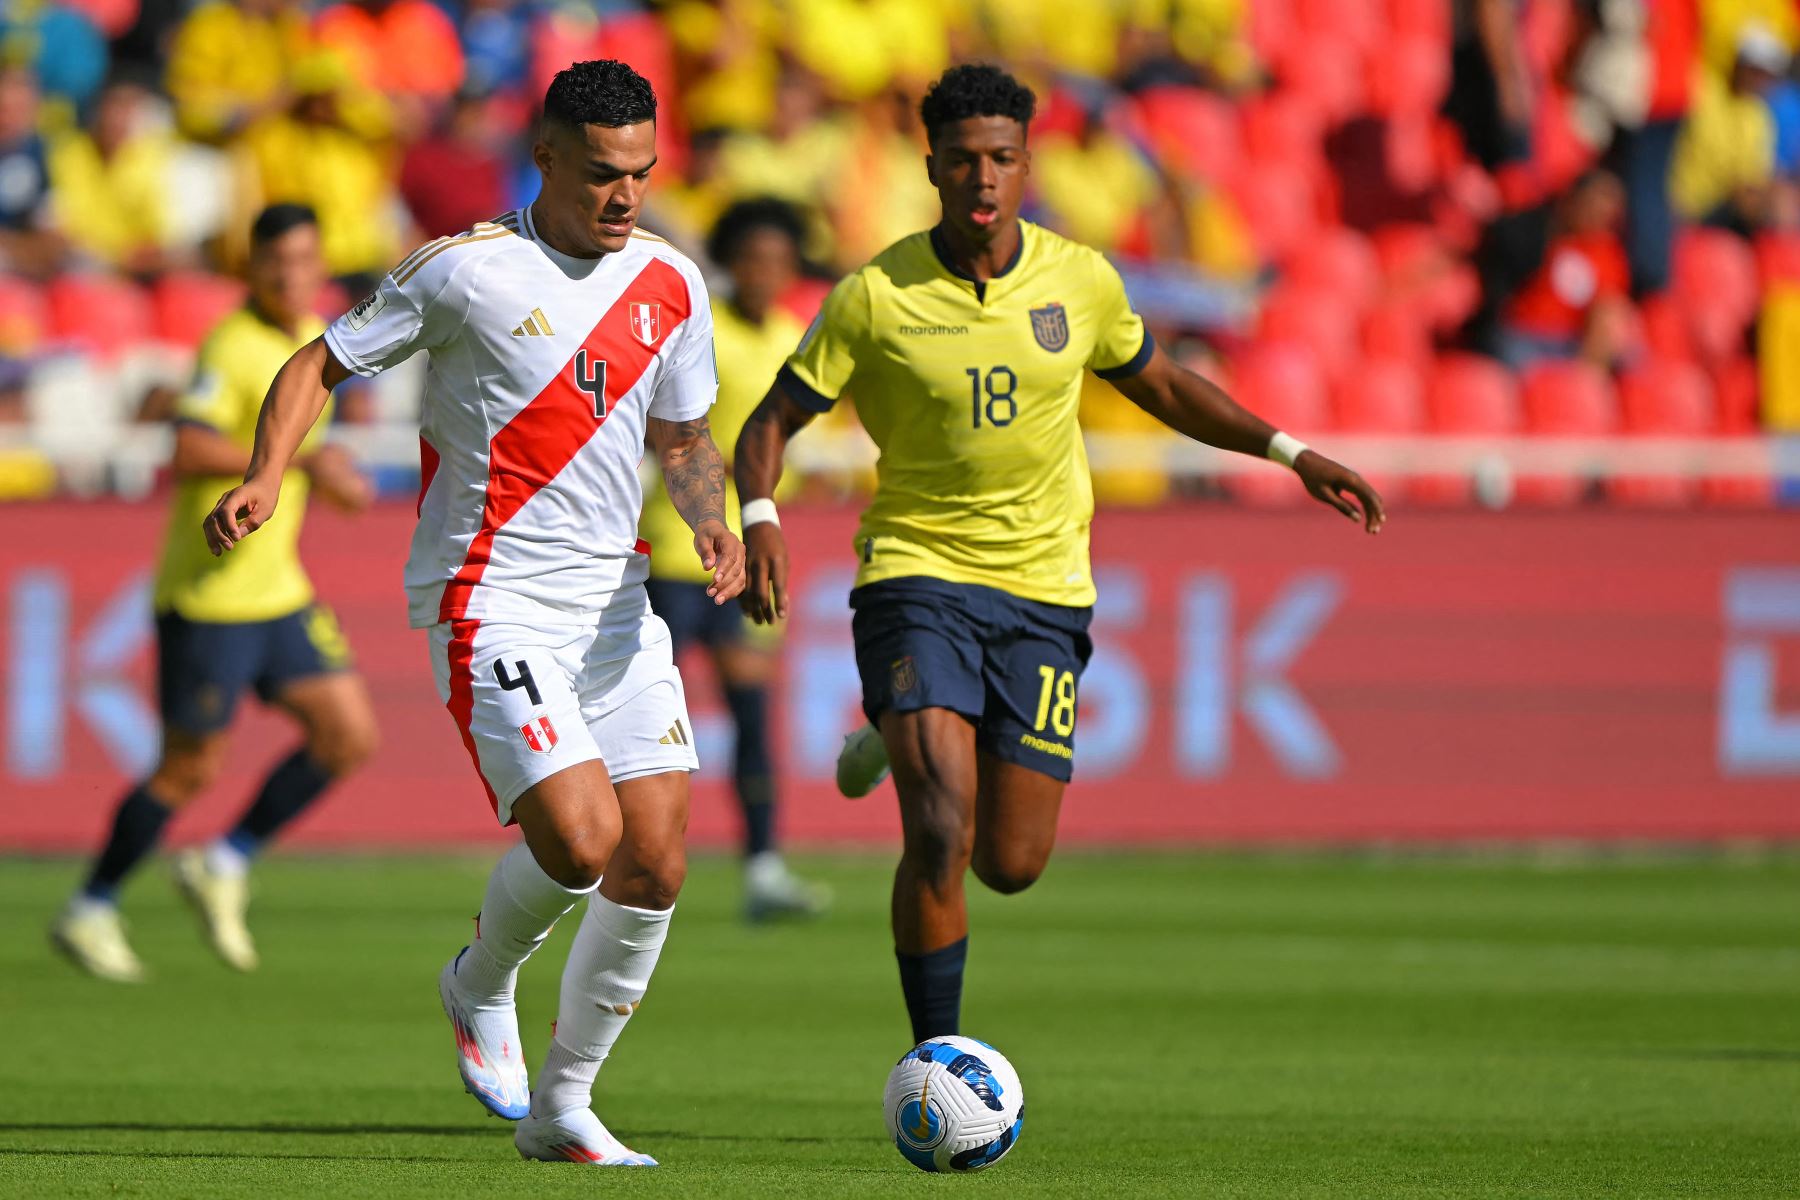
column 932, row 984
column 289, row 789
column 752, row 775
column 136, row 828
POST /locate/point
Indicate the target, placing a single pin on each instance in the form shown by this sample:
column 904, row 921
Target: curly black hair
column 602, row 91
column 744, row 218
column 975, row 90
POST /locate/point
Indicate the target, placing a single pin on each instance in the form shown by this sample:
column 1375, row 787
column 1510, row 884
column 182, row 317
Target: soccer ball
column 954, row 1104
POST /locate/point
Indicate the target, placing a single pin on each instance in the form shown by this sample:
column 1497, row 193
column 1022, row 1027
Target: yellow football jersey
column 748, row 356
column 261, row 578
column 970, row 391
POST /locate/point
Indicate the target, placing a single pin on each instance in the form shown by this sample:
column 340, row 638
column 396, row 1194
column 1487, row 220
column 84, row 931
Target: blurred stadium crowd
column 1486, row 218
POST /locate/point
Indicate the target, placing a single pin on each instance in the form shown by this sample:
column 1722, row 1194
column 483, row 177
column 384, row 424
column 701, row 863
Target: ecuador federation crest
column 1050, row 326
column 646, row 323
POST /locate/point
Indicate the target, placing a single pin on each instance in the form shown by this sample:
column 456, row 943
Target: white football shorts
column 533, row 697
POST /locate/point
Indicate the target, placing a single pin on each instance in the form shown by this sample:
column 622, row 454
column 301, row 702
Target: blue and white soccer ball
column 954, row 1104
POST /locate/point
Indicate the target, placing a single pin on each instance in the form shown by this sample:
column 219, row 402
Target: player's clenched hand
column 723, row 555
column 765, row 599
column 1329, row 482
column 239, row 513
column 337, row 480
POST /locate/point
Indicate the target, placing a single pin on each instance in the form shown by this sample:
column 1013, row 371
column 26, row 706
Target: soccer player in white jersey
column 561, row 340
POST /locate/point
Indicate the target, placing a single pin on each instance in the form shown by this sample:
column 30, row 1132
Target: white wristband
column 1284, row 449
column 758, row 511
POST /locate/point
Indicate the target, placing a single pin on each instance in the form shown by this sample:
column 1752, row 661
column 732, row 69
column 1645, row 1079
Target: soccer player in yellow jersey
column 757, row 242
column 963, row 349
column 227, row 624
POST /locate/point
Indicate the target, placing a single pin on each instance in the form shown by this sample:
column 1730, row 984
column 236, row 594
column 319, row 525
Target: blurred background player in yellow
column 227, row 624
column 757, row 242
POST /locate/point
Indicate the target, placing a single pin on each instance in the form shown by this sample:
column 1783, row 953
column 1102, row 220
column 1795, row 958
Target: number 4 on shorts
column 523, row 680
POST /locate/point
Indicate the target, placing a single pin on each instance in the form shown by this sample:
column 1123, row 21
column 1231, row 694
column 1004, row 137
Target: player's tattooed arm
column 692, row 467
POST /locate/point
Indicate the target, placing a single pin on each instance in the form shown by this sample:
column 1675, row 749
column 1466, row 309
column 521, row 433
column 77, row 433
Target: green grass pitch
column 1196, row 1025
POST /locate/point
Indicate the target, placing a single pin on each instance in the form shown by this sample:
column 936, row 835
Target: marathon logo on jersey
column 540, row 735
column 646, row 323
column 1050, row 326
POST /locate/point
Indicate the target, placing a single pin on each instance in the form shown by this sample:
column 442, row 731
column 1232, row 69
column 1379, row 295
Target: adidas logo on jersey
column 677, row 736
column 536, row 325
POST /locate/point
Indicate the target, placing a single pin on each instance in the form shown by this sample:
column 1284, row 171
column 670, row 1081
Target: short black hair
column 975, row 90
column 278, row 219
column 601, row 91
column 744, row 218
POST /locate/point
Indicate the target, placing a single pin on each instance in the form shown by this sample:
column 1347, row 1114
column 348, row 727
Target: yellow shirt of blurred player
column 262, row 578
column 971, row 395
column 748, row 357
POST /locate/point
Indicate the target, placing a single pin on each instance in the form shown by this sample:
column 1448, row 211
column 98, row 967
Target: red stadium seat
column 100, row 314
column 23, row 316
column 1737, row 391
column 1569, row 399
column 190, row 303
column 1668, row 399
column 1279, row 127
column 1663, row 399
column 1466, row 396
column 1715, row 277
column 1409, row 76
column 1280, row 203
column 1354, row 26
column 1422, row 18
column 1565, row 399
column 1320, row 320
column 1318, row 70
column 1396, row 329
column 1196, row 131
column 1338, row 262
column 1383, row 396
column 1282, row 383
column 1665, row 328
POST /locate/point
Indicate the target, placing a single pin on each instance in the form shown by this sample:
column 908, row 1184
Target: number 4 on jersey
column 590, row 377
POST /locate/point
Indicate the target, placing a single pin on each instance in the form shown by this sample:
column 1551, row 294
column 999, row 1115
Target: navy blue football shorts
column 692, row 616
column 1011, row 666
column 203, row 667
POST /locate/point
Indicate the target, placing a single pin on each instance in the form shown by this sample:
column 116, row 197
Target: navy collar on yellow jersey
column 943, row 256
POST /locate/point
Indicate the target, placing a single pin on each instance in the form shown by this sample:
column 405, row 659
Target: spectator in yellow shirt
column 318, row 156
column 231, row 65
column 1725, row 158
column 110, row 183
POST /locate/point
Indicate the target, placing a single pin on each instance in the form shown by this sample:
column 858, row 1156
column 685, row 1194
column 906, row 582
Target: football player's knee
column 340, row 749
column 663, row 875
column 179, row 778
column 938, row 845
column 581, row 859
column 1008, row 869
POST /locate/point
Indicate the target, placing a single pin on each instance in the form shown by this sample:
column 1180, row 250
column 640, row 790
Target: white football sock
column 608, row 970
column 520, row 906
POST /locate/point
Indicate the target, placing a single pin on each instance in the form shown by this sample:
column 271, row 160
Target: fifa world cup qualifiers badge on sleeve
column 366, row 310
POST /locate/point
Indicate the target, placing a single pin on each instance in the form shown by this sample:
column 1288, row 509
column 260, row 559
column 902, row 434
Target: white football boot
column 862, row 763
column 488, row 1055
column 93, row 937
column 771, row 891
column 222, row 902
column 575, row 1135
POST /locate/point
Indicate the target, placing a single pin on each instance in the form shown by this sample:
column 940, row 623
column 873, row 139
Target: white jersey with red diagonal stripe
column 544, row 372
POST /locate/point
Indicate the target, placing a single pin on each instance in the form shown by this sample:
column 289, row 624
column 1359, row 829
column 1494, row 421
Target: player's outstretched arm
column 1191, row 405
column 289, row 411
column 757, row 462
column 694, row 473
